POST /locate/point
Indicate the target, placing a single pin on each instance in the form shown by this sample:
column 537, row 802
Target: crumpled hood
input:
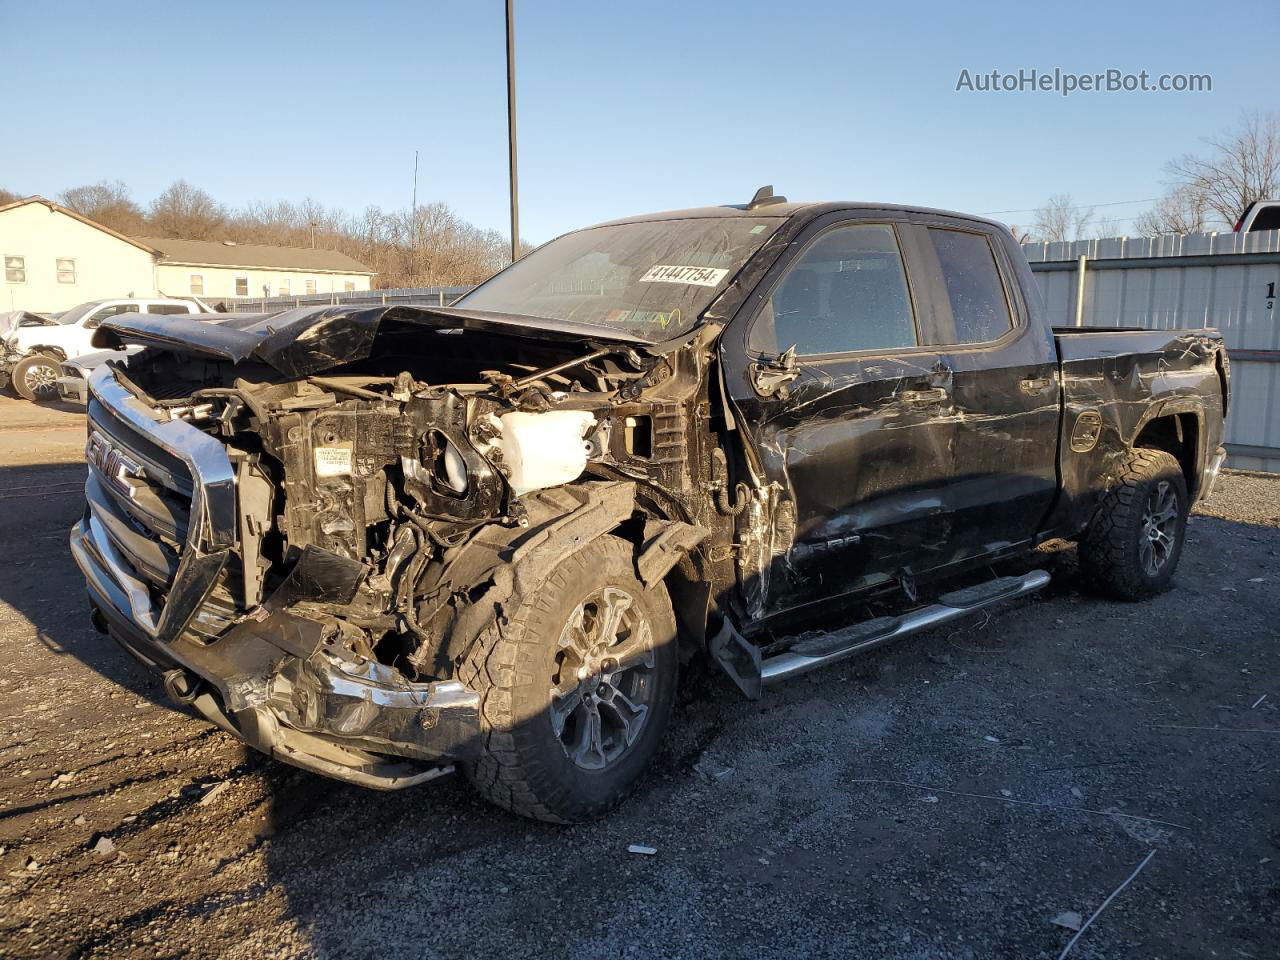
column 51, row 335
column 12, row 319
column 308, row 340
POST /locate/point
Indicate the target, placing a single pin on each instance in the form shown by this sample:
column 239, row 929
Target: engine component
column 543, row 450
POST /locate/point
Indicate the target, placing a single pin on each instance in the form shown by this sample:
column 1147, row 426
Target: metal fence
column 431, row 296
column 1224, row 280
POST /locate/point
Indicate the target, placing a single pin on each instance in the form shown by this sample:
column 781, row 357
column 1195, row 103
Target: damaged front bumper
column 266, row 678
column 365, row 724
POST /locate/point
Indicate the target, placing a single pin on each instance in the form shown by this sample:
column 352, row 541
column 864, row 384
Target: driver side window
column 847, row 291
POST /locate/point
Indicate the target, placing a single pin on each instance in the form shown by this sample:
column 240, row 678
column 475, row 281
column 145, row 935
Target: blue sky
column 623, row 107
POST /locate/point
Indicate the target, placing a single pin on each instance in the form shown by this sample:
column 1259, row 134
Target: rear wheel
column 1134, row 542
column 36, row 378
column 576, row 688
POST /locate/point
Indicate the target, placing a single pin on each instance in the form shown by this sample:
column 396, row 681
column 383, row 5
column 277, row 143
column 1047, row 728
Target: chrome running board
column 810, row 654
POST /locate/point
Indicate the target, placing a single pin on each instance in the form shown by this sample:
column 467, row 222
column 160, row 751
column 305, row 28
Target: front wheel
column 36, row 378
column 576, row 688
column 1134, row 542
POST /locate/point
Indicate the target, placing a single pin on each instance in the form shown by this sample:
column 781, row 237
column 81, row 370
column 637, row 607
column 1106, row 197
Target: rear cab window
column 979, row 304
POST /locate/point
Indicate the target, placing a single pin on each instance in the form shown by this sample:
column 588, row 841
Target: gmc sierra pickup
column 382, row 542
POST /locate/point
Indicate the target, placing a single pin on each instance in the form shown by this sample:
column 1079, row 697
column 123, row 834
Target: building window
column 311, row 286
column 15, row 269
column 66, row 270
column 197, row 284
column 242, row 286
column 348, row 286
column 284, row 288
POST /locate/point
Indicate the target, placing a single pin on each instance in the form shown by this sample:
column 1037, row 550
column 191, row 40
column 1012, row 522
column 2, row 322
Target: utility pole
column 511, row 128
column 413, row 211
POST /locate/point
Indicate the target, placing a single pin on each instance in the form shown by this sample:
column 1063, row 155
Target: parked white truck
column 30, row 354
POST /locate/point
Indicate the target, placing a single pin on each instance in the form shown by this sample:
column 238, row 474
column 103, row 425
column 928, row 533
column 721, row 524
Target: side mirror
column 771, row 376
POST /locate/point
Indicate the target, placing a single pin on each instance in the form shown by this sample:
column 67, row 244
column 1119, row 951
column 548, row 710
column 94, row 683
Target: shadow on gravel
column 40, row 582
column 1054, row 709
column 62, row 406
column 341, row 850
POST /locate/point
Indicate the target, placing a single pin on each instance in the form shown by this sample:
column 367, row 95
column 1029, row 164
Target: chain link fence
column 422, row 296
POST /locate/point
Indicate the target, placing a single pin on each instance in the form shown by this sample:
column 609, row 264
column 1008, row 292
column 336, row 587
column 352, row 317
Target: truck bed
column 1116, row 380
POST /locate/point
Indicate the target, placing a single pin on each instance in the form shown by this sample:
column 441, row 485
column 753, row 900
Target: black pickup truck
column 380, row 543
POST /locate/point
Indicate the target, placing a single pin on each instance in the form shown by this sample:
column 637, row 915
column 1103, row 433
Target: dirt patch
column 40, row 433
column 948, row 796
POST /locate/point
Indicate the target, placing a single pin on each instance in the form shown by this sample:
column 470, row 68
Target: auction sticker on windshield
column 698, row 276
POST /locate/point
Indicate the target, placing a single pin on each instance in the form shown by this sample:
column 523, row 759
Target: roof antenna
column 764, row 197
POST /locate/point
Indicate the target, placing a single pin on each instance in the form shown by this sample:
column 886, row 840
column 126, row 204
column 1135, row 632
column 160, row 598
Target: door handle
column 933, row 395
column 1034, row 385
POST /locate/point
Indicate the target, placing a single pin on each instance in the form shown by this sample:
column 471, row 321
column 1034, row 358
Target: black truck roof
column 799, row 211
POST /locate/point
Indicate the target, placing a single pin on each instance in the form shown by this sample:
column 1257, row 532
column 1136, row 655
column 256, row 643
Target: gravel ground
column 945, row 797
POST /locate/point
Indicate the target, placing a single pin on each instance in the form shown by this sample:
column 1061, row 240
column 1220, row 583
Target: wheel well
column 55, row 353
column 1176, row 434
column 686, row 582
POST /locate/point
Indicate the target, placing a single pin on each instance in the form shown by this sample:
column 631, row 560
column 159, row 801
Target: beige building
column 213, row 268
column 54, row 259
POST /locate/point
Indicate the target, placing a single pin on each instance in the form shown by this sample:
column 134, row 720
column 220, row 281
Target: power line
column 1082, row 206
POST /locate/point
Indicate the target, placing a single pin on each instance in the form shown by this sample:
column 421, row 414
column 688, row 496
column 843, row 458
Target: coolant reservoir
column 544, row 449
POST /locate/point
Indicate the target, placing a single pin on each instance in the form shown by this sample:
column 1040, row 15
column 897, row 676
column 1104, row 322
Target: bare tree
column 429, row 246
column 7, row 197
column 106, row 202
column 1239, row 167
column 1181, row 210
column 1060, row 219
column 187, row 212
column 1106, row 227
column 1021, row 234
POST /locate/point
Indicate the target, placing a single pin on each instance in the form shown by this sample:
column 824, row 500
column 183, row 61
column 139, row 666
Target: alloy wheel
column 1159, row 528
column 604, row 678
column 41, row 379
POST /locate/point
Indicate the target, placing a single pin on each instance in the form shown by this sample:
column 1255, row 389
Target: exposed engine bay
column 374, row 498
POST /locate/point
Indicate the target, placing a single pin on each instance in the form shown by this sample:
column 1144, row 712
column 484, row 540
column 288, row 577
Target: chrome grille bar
column 104, row 544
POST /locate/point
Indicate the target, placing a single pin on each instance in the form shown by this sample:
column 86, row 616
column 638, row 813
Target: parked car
column 381, row 541
column 13, row 319
column 1259, row 215
column 73, row 375
column 30, row 354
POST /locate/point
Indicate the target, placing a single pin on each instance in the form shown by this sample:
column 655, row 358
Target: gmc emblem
column 112, row 465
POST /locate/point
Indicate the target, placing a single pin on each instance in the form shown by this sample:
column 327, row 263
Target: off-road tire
column 1111, row 548
column 523, row 766
column 35, row 362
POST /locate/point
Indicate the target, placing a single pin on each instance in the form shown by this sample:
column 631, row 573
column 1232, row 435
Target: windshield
column 651, row 279
column 75, row 313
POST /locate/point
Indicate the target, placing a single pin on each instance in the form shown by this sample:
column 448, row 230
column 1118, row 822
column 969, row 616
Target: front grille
column 144, row 507
column 160, row 515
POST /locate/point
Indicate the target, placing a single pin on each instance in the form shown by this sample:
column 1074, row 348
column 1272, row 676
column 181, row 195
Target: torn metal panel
column 309, row 340
column 664, row 546
column 1118, row 382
